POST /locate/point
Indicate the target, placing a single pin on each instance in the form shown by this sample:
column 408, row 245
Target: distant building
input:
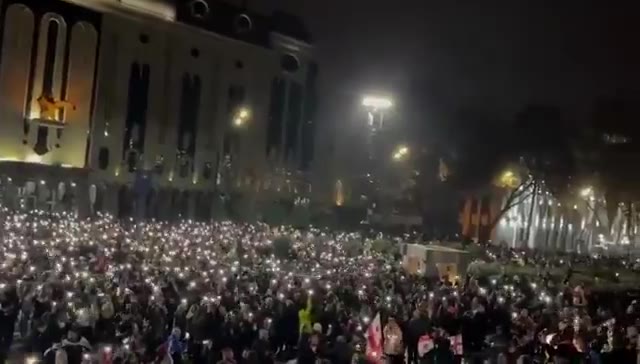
column 540, row 221
column 151, row 105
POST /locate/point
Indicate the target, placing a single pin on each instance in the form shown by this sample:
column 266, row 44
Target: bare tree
column 515, row 197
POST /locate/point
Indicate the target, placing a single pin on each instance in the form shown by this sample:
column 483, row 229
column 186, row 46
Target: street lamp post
column 376, row 107
column 234, row 165
column 240, row 117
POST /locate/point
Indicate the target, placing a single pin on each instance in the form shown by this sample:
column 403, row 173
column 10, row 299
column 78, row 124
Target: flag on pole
column 374, row 341
column 425, row 345
column 107, row 355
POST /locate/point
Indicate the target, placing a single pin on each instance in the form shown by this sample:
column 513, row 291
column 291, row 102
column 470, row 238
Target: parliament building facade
column 155, row 108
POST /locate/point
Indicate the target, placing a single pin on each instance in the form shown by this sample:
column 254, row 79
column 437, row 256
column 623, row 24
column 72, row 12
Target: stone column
column 111, row 199
column 82, row 197
column 166, row 204
column 140, row 205
column 151, row 204
column 191, row 204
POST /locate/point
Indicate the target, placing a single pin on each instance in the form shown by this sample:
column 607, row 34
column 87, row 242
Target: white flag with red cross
column 456, row 344
column 425, row 345
column 374, row 341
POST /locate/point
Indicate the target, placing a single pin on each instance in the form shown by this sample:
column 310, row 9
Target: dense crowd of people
column 110, row 291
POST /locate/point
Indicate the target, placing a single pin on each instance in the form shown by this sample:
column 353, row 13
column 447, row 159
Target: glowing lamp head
column 377, row 102
column 238, row 122
column 400, row 153
column 244, row 113
column 586, row 192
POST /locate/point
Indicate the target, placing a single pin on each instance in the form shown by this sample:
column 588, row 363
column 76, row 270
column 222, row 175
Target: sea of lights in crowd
column 77, row 267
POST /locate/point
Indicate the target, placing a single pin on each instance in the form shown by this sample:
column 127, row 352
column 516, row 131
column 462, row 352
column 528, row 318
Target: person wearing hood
column 9, row 306
column 474, row 326
column 227, row 357
column 71, row 350
column 309, row 351
column 417, row 327
column 342, row 352
column 261, row 347
column 175, row 346
column 46, row 332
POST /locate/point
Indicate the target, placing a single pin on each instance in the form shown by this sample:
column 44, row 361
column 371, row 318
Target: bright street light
column 242, row 115
column 586, row 192
column 238, row 122
column 377, row 102
column 508, row 179
column 400, row 152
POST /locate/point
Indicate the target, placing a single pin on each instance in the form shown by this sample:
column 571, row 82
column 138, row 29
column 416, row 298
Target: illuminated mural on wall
column 46, row 83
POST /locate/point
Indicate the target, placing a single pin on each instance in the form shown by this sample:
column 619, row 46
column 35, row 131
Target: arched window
column 132, row 161
column 242, row 24
column 189, row 113
column 137, row 104
column 103, row 158
column 276, row 114
column 289, row 63
column 199, row 9
column 50, row 57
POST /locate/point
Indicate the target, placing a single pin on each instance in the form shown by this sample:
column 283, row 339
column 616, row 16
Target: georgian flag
column 456, row 344
column 425, row 345
column 106, row 356
column 374, row 341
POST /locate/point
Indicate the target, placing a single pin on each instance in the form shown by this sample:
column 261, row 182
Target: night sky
column 491, row 56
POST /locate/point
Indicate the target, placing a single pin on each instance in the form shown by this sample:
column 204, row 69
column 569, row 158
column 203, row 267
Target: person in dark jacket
column 262, row 349
column 9, row 306
column 441, row 353
column 309, row 350
column 418, row 326
column 474, row 327
column 342, row 352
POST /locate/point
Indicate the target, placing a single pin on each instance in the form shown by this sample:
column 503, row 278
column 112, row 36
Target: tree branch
column 595, row 213
column 515, row 198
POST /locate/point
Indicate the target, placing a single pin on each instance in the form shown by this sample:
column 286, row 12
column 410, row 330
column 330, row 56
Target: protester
column 222, row 292
column 393, row 343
